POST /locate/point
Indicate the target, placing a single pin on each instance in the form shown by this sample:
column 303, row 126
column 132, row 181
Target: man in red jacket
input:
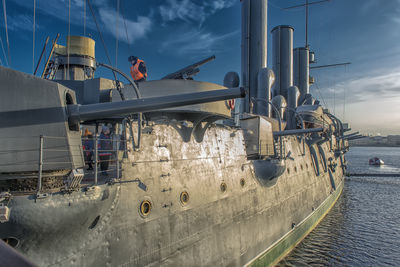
column 138, row 69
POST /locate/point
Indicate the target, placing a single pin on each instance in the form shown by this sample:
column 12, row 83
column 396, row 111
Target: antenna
column 306, row 4
column 330, row 65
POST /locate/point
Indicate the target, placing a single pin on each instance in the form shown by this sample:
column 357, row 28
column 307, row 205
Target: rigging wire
column 4, row 53
column 116, row 37
column 344, row 97
column 320, row 94
column 33, row 36
column 126, row 29
column 69, row 36
column 105, row 49
column 5, row 22
column 84, row 17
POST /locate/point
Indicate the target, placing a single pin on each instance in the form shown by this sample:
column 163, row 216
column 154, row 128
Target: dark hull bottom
column 287, row 243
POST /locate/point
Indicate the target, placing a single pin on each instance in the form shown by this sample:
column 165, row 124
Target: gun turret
column 78, row 113
column 188, row 72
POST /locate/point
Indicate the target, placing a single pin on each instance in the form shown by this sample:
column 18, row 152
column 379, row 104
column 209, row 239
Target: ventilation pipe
column 254, row 48
column 302, row 71
column 282, row 59
column 280, row 103
column 266, row 79
column 293, row 98
column 231, row 80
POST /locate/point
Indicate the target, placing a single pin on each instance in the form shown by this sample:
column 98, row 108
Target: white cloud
column 21, row 22
column 192, row 11
column 372, row 101
column 196, row 42
column 106, row 15
column 136, row 29
column 370, row 87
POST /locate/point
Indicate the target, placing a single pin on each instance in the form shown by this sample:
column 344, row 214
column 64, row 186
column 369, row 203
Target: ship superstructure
column 195, row 178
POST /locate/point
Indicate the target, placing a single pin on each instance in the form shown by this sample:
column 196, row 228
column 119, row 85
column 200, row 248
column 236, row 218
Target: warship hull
column 201, row 180
column 227, row 218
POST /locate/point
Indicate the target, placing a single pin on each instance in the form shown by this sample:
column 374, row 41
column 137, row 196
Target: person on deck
column 105, row 149
column 88, row 147
column 138, row 69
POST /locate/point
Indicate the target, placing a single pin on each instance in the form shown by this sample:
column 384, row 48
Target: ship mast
column 306, row 5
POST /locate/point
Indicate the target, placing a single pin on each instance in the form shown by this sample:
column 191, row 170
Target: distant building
column 391, row 140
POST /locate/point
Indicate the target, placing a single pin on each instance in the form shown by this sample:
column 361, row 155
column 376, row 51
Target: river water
column 363, row 228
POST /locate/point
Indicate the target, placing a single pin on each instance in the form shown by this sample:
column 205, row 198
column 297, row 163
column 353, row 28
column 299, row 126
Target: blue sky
column 169, row 34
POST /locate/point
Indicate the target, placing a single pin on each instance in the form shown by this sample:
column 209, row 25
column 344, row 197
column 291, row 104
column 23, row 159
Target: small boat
column 376, row 161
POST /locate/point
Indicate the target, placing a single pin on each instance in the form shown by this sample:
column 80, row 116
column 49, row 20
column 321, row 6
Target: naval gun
column 79, row 113
column 32, row 108
column 188, row 72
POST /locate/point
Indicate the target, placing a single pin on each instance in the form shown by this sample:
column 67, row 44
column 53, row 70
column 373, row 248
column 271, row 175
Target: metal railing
column 43, row 157
column 98, row 155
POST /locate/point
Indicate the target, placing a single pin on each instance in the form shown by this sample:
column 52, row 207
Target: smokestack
column 254, row 47
column 302, row 71
column 282, row 59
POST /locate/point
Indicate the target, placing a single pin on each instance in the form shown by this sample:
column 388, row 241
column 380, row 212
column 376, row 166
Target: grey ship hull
column 248, row 223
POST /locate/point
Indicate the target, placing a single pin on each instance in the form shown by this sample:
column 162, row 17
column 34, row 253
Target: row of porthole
column 145, row 206
column 295, row 168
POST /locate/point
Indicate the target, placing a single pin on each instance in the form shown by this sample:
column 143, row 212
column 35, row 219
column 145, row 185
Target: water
column 363, row 228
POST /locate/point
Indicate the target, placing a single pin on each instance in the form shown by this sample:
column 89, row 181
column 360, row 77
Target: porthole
column 307, row 165
column 145, row 207
column 288, row 170
column 242, row 182
column 11, row 241
column 184, row 198
column 223, row 187
column 301, row 166
column 295, row 169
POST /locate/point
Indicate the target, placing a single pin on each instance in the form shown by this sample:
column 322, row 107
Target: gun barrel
column 356, row 137
column 298, row 131
column 179, row 73
column 349, row 135
column 78, row 113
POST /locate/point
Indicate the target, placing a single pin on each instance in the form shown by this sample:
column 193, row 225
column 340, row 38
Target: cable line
column 105, row 49
column 69, row 36
column 4, row 53
column 84, row 17
column 126, row 29
column 33, row 36
column 5, row 22
column 116, row 37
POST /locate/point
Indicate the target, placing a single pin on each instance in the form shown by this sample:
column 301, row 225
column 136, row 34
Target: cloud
column 196, row 42
column 370, row 87
column 192, row 11
column 136, row 29
column 21, row 22
column 104, row 14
